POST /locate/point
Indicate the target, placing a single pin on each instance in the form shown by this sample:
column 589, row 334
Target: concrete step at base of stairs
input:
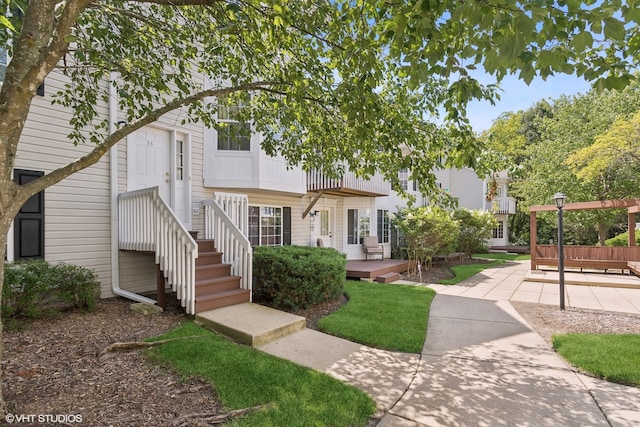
column 251, row 324
column 222, row 299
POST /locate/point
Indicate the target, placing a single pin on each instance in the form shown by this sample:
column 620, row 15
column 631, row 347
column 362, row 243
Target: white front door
column 160, row 158
column 151, row 161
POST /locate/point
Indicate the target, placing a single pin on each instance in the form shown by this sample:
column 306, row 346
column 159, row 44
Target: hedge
column 297, row 277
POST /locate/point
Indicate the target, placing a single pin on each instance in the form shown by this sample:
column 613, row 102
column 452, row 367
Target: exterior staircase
column 215, row 286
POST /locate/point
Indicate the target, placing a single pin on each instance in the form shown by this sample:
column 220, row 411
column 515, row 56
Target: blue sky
column 515, row 95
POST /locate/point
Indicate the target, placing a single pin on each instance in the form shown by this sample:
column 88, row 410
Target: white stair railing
column 227, row 222
column 147, row 223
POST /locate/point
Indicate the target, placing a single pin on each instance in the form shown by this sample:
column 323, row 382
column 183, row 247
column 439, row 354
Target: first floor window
column 265, row 226
column 383, row 226
column 498, row 232
column 358, row 222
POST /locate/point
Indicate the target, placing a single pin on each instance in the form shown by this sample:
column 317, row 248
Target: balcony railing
column 502, row 205
column 349, row 184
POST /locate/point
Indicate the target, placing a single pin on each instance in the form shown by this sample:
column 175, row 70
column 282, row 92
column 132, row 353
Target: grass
column 392, row 317
column 244, row 377
column 502, row 256
column 464, row 271
column 613, row 357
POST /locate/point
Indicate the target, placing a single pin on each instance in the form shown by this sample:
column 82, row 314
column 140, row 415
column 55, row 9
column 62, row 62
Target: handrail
column 229, row 237
column 147, row 223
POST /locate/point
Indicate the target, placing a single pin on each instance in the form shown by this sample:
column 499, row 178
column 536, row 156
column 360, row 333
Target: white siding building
column 101, row 219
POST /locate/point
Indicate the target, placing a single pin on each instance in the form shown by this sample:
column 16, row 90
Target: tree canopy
column 584, row 146
column 334, row 84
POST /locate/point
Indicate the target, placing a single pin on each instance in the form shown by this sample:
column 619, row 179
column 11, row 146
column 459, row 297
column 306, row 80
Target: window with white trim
column 384, row 228
column 403, row 177
column 233, row 135
column 358, row 225
column 180, row 160
column 498, row 232
column 265, row 226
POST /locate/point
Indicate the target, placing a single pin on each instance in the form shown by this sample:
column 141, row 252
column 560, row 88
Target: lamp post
column 560, row 198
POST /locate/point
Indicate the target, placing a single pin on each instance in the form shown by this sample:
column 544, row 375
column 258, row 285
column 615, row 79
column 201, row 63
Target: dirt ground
column 52, row 366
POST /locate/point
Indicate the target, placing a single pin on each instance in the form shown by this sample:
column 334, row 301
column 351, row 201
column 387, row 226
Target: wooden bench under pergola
column 596, row 257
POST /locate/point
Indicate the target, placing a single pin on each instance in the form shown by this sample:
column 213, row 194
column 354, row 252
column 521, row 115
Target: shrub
column 32, row 286
column 295, row 277
column 622, row 239
column 475, row 230
column 428, row 231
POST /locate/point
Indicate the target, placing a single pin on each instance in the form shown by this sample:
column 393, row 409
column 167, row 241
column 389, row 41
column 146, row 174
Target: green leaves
column 366, row 86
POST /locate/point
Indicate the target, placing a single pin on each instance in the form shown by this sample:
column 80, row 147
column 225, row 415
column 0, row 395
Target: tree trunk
column 603, row 232
column 4, row 230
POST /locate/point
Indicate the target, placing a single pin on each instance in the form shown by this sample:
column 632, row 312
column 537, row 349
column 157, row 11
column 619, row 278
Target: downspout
column 113, row 181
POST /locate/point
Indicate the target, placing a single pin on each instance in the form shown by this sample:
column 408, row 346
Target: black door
column 28, row 225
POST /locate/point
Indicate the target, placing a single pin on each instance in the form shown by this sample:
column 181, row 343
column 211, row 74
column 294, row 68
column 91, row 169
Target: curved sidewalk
column 481, row 365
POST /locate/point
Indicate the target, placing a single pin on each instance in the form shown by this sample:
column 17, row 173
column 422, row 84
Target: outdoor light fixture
column 560, row 198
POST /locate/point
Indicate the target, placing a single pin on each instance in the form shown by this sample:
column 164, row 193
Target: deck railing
column 227, row 222
column 147, row 224
column 376, row 185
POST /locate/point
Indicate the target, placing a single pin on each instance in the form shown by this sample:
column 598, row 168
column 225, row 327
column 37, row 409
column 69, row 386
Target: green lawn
column 244, row 377
column 505, row 257
column 464, row 271
column 613, row 357
column 393, row 317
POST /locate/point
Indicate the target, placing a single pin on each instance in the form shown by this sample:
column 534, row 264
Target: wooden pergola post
column 632, row 227
column 533, row 238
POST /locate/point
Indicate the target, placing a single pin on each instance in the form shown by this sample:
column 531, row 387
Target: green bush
column 295, row 277
column 476, row 227
column 622, row 239
column 32, row 286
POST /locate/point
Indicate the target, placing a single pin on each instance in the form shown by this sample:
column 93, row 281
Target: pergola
column 597, row 257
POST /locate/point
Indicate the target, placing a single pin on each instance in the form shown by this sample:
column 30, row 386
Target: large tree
column 335, row 82
column 552, row 163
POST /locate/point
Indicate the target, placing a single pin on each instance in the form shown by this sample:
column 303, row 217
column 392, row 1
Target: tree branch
column 96, row 154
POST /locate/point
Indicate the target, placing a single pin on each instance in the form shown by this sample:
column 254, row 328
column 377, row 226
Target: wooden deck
column 360, row 269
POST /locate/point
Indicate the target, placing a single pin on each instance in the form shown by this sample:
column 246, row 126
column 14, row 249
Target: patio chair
column 370, row 246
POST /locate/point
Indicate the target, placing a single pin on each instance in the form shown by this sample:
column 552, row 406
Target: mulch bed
column 51, row 366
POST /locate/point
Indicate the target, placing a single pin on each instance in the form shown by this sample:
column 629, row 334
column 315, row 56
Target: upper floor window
column 233, row 134
column 4, row 60
column 180, row 160
column 403, row 177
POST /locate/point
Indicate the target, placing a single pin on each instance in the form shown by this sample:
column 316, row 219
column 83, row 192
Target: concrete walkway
column 482, row 364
